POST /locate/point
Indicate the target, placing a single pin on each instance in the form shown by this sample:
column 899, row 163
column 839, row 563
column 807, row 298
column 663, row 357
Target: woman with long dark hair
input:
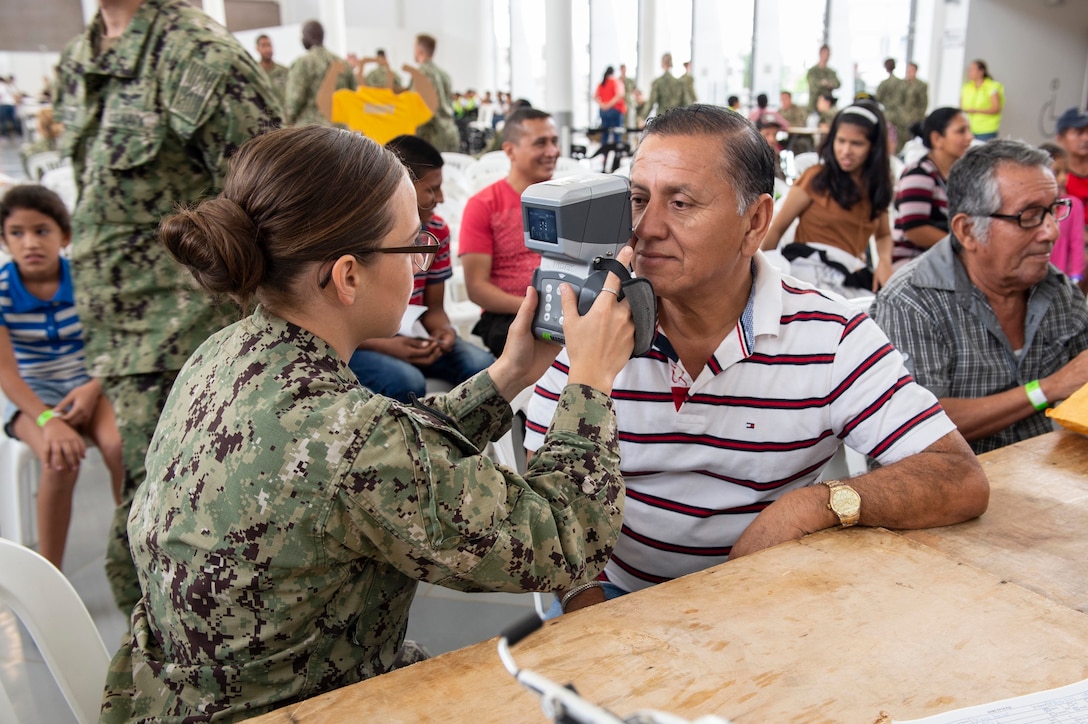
column 840, row 204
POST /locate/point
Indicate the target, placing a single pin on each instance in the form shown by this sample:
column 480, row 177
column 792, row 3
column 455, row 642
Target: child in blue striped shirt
column 53, row 401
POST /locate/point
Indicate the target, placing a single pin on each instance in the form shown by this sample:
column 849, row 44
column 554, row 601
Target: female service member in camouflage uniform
column 287, row 512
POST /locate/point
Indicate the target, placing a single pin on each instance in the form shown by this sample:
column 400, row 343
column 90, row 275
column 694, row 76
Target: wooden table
column 1035, row 532
column 837, row 627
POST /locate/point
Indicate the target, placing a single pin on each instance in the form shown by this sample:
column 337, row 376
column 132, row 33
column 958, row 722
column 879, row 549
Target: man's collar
column 123, row 58
column 947, row 272
column 761, row 314
column 944, row 273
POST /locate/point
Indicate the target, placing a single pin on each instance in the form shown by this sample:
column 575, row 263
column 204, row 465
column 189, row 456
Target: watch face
column 845, row 501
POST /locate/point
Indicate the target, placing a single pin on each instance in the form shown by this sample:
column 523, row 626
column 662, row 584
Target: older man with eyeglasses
column 983, row 319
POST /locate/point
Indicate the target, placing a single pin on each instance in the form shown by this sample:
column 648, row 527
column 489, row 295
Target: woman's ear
column 347, row 279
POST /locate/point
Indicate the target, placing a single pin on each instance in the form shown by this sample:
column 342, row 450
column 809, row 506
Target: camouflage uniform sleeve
column 221, row 100
column 654, row 98
column 454, row 518
column 295, row 97
column 347, row 78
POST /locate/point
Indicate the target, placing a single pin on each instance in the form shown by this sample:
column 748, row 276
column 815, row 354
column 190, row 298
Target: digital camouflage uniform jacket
column 288, row 513
column 667, row 91
column 303, row 81
column 277, row 76
column 150, row 124
column 821, row 80
column 915, row 100
column 440, row 131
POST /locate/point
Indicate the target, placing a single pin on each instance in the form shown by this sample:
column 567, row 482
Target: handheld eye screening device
column 579, row 224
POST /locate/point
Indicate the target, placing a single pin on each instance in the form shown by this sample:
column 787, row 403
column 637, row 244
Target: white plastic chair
column 38, row 163
column 481, row 178
column 803, row 160
column 566, row 166
column 913, row 150
column 19, row 475
column 61, row 180
column 460, row 161
column 896, row 165
column 60, row 625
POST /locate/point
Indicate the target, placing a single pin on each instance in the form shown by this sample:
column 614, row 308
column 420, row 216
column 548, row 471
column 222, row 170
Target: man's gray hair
column 972, row 182
column 747, row 161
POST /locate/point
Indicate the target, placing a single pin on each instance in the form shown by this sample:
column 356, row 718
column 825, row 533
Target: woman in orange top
column 609, row 95
column 840, row 204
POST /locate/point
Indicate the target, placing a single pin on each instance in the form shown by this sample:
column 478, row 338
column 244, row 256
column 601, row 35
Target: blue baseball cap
column 1072, row 118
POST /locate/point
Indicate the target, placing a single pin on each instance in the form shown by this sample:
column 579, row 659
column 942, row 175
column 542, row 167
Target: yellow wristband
column 1035, row 395
column 45, row 417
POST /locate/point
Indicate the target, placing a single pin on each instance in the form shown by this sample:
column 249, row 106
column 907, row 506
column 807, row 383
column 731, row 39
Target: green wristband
column 1035, row 395
column 45, row 417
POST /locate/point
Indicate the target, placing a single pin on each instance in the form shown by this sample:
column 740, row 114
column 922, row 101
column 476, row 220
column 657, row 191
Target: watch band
column 843, row 501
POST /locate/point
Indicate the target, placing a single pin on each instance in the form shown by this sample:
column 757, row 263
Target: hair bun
column 217, row 241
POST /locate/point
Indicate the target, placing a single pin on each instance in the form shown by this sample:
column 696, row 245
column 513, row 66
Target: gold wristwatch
column 844, row 502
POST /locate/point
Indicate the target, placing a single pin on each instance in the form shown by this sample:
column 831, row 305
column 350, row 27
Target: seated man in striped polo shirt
column 753, row 382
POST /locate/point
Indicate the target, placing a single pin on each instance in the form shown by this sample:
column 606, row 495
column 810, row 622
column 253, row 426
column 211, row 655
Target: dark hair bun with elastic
column 218, row 243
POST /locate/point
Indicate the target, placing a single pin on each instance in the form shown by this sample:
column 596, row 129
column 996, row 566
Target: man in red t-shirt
column 1073, row 137
column 497, row 265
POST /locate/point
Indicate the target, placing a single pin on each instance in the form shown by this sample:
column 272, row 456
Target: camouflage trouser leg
column 138, row 400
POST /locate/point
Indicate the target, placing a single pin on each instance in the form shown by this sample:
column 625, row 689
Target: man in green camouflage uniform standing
column 667, row 91
column 689, row 82
column 821, row 79
column 892, row 94
column 440, row 131
column 277, row 74
column 154, row 97
column 631, row 96
column 915, row 96
column 306, row 75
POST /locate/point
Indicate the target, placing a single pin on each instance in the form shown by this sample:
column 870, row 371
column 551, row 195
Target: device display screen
column 542, row 225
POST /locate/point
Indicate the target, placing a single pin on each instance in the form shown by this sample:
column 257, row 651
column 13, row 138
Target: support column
column 649, row 57
column 767, row 53
column 559, row 80
column 334, row 19
column 948, row 59
column 521, row 62
column 90, row 7
column 216, row 10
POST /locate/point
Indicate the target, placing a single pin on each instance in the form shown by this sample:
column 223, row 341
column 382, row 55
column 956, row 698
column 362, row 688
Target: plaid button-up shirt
column 954, row 346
